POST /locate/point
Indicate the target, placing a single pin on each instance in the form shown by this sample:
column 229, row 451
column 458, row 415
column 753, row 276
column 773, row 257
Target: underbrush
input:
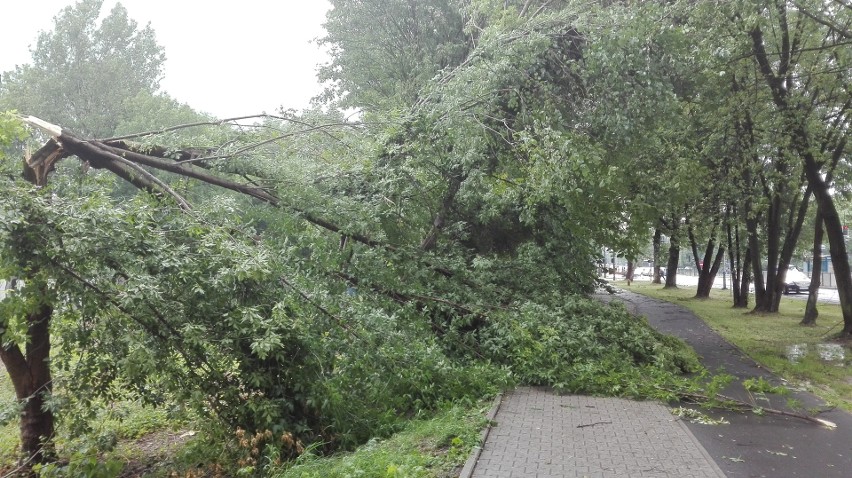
column 578, row 346
column 426, row 447
column 8, row 420
column 394, row 399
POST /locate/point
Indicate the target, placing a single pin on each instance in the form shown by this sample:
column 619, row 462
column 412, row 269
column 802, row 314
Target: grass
column 766, row 338
column 434, row 447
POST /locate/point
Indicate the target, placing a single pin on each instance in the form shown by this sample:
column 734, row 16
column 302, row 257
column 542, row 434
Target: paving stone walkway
column 541, row 434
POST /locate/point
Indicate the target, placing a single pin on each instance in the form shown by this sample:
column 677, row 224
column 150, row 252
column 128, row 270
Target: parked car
column 796, row 281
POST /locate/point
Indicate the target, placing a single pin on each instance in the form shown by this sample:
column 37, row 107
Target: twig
column 745, row 406
column 593, row 424
column 260, row 143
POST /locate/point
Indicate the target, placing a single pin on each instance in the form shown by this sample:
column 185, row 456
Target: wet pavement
column 752, row 445
column 538, row 433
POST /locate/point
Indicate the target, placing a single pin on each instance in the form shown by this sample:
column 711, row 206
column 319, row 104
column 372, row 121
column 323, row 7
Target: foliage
column 9, row 411
column 238, row 343
column 192, row 308
column 582, row 346
column 384, row 51
column 11, row 129
column 697, row 416
column 427, row 446
column 152, row 112
column 428, row 256
column 761, row 386
column 84, row 463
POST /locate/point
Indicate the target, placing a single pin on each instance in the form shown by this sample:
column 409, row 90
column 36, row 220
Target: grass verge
column 768, row 338
column 436, row 447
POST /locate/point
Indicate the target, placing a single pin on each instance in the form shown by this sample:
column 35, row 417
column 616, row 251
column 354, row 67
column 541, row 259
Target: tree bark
column 631, row 266
column 657, row 238
column 31, row 379
column 756, row 267
column 811, row 311
column 833, row 229
column 709, row 266
column 672, row 263
column 746, row 279
column 738, row 261
column 707, row 275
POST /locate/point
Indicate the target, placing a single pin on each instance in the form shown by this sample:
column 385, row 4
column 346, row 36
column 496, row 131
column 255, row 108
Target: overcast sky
column 228, row 58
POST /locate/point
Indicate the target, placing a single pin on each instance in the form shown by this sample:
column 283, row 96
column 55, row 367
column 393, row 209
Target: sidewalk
column 541, row 434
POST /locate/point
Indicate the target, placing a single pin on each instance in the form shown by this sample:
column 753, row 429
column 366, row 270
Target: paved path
column 539, row 434
column 753, row 446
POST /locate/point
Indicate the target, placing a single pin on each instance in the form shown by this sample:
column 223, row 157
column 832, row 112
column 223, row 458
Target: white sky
column 228, row 58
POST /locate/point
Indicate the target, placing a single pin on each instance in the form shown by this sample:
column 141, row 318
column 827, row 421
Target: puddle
column 833, row 353
column 795, row 352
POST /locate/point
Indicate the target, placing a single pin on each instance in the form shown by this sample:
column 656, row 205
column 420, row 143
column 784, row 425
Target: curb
column 470, row 464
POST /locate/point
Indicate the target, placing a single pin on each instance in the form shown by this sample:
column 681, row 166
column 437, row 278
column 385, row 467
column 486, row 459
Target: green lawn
column 768, row 338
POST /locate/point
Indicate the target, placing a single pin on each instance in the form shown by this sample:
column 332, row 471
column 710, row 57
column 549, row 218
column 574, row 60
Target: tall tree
column 384, row 52
column 82, row 71
column 804, row 65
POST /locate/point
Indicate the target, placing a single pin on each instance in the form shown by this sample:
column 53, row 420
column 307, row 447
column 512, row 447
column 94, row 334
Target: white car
column 796, row 281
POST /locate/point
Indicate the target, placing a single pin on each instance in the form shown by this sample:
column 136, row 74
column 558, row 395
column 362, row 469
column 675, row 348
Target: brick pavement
column 539, row 434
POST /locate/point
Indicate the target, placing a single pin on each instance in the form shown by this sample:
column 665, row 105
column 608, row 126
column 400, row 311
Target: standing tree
column 385, row 51
column 801, row 64
column 83, row 72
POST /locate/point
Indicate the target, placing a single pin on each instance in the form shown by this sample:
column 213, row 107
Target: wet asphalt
column 752, row 445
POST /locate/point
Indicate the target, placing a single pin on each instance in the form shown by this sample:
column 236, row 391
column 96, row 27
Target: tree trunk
column 756, row 267
column 834, row 231
column 811, row 312
column 30, row 375
column 739, row 265
column 672, row 263
column 630, row 268
column 708, row 273
column 657, row 238
column 709, row 267
column 746, row 279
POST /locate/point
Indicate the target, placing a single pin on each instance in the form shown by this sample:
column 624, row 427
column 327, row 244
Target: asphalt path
column 753, row 445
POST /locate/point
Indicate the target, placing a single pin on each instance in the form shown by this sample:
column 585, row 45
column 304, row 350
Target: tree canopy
column 83, row 72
